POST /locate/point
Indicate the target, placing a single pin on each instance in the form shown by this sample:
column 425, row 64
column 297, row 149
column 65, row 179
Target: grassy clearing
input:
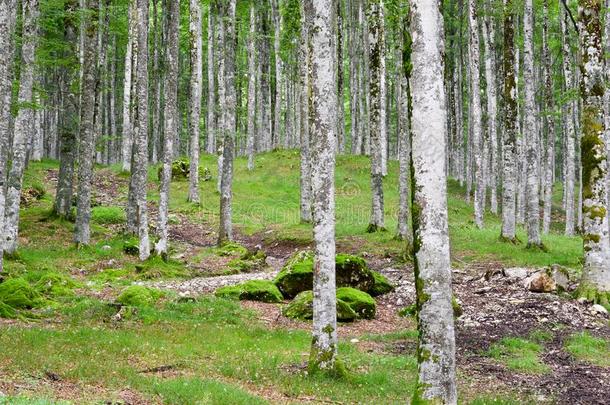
column 519, row 354
column 589, row 348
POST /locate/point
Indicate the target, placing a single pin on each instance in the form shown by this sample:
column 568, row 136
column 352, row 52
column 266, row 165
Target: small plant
column 519, row 354
column 589, row 348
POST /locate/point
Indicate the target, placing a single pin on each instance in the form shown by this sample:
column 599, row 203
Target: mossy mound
column 248, row 262
column 181, row 169
column 52, row 284
column 302, row 308
column 360, row 302
column 255, row 290
column 382, row 285
column 139, row 296
column 297, row 275
column 131, row 246
column 231, row 249
column 17, row 293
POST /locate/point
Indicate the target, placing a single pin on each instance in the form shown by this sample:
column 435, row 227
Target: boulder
column 599, row 310
column 561, row 276
column 515, row 272
column 255, row 290
column 362, row 303
column 381, row 285
column 540, row 281
column 302, row 308
column 297, row 274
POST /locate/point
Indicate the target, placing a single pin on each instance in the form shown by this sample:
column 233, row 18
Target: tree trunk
column 492, row 108
column 211, row 122
column 340, row 86
column 509, row 167
column 595, row 281
column 570, row 135
column 404, row 156
column 195, row 100
column 127, row 140
column 305, row 88
column 377, row 118
column 139, row 165
column 225, row 232
column 277, row 114
column 436, row 345
column 321, row 15
column 476, row 115
column 252, row 88
column 550, row 124
column 530, row 132
column 22, row 124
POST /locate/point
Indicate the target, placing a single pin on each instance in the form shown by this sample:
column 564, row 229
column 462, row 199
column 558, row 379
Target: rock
column 491, row 274
column 382, row 285
column 582, row 300
column 362, row 303
column 354, row 340
column 599, row 309
column 540, row 282
column 255, row 290
column 561, row 276
column 515, row 272
column 302, row 308
column 297, row 274
column 106, row 248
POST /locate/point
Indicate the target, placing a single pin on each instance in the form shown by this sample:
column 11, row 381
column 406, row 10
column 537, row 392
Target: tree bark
column 22, row 124
column 195, row 100
column 277, row 113
column 595, row 281
column 550, row 123
column 305, row 88
column 404, row 155
column 492, row 108
column 436, row 344
column 211, row 121
column 127, row 139
column 251, row 88
column 570, row 135
column 321, row 18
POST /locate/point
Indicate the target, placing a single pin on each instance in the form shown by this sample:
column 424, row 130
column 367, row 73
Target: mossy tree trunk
column 549, row 107
column 321, row 20
column 595, row 281
column 195, row 96
column 436, row 345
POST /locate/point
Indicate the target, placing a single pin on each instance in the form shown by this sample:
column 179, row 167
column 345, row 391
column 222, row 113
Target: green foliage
column 139, row 296
column 595, row 350
column 255, row 290
column 131, row 246
column 360, row 302
column 519, row 354
column 185, row 391
column 107, row 215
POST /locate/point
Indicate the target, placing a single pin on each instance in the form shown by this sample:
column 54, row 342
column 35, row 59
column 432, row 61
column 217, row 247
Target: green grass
column 589, row 348
column 519, row 354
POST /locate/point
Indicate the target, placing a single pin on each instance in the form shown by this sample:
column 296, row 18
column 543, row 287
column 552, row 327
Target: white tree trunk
column 436, row 346
column 570, row 135
column 595, row 281
column 22, row 124
column 305, row 87
column 195, row 101
column 171, row 114
column 550, row 125
column 127, row 137
column 252, row 88
column 476, row 114
column 492, row 108
column 321, row 15
column 211, row 121
column 530, row 132
column 277, row 114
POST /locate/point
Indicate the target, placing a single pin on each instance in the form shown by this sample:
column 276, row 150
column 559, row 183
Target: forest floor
column 76, row 344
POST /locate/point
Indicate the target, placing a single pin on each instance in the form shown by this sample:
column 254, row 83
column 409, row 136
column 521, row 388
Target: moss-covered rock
column 382, row 285
column 231, row 249
column 131, row 246
column 255, row 290
column 19, row 294
column 302, row 308
column 250, row 261
column 362, row 303
column 139, row 296
column 181, row 169
column 54, row 285
column 297, row 275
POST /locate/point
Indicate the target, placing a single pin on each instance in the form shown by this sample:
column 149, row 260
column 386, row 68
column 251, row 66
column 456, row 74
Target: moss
column 52, row 284
column 457, row 307
column 513, row 241
column 382, row 285
column 593, row 294
column 362, row 303
column 139, row 296
column 131, row 246
column 302, row 308
column 19, row 294
column 108, row 215
column 372, row 228
column 255, row 290
column 231, row 249
column 411, row 310
column 248, row 262
column 181, row 169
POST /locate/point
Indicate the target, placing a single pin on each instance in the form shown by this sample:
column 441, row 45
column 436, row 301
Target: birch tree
column 305, row 86
column 225, row 232
column 171, row 116
column 321, row 18
column 24, row 117
column 127, row 136
column 550, row 122
column 595, row 281
column 86, row 150
column 277, row 32
column 195, row 99
column 436, row 344
column 570, row 135
column 530, row 132
column 509, row 150
column 476, row 114
column 211, row 121
column 375, row 44
column 251, row 87
column 492, row 107
column 8, row 15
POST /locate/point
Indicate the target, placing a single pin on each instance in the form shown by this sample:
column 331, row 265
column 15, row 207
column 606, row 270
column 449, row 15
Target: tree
column 595, row 281
column 195, row 100
column 550, row 123
column 171, row 117
column 509, row 150
column 376, row 117
column 8, row 15
column 251, row 88
column 305, row 86
column 24, row 117
column 321, row 19
column 277, row 32
column 530, row 132
column 139, row 164
column 436, row 345
column 476, row 115
column 211, row 121
column 225, row 232
column 127, row 101
column 82, row 232
column 492, row 107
